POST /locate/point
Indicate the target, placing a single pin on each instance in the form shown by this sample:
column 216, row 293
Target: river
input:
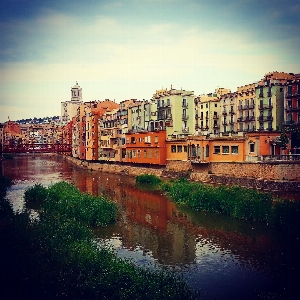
column 222, row 257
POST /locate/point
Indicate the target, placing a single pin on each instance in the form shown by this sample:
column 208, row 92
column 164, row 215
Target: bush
column 148, row 179
column 37, row 193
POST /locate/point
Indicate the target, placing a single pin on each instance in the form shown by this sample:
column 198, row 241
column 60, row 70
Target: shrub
column 36, row 193
column 148, row 179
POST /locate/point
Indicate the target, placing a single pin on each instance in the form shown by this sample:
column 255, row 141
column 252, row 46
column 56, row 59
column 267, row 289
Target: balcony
column 185, row 105
column 240, row 119
column 185, row 117
column 289, row 122
column 260, row 119
column 215, row 116
column 265, row 118
column 231, row 112
column 265, row 106
column 205, row 128
column 224, row 112
column 292, row 108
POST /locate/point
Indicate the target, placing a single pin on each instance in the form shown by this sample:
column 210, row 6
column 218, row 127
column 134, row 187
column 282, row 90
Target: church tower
column 76, row 92
column 69, row 108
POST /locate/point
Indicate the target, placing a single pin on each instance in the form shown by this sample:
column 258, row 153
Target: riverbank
column 199, row 173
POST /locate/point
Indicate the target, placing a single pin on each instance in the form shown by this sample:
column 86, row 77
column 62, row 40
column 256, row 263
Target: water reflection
column 222, row 257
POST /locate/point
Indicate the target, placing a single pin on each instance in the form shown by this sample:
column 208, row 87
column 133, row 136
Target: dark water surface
column 222, row 257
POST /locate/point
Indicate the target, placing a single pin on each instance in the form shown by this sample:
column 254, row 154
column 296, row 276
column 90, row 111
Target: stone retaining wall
column 265, row 176
column 260, row 170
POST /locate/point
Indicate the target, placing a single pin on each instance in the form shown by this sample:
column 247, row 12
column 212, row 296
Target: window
column 234, row 149
column 138, row 153
column 173, row 148
column 150, row 153
column 156, row 153
column 207, row 151
column 216, row 149
column 145, row 153
column 225, row 149
column 133, row 153
column 252, row 147
column 179, row 149
column 156, row 139
column 184, row 148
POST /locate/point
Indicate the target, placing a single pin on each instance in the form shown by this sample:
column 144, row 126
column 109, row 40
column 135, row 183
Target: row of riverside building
column 250, row 124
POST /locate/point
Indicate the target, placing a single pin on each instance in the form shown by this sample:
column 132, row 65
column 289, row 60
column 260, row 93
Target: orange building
column 93, row 112
column 12, row 134
column 259, row 144
column 146, row 147
column 67, row 133
column 177, row 149
column 218, row 149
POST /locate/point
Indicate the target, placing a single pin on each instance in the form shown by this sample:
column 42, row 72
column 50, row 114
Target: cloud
column 117, row 52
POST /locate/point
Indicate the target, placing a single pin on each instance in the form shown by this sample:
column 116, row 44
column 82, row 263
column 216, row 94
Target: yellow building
column 245, row 99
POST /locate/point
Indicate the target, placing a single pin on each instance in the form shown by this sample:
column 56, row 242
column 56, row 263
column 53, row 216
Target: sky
column 128, row 49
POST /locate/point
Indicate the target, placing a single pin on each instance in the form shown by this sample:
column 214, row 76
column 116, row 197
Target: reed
column 235, row 201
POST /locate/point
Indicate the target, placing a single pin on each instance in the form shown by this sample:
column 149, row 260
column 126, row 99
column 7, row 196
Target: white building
column 69, row 108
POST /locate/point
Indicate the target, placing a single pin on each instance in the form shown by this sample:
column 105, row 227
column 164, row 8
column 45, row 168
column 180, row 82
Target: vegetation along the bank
column 235, row 201
column 55, row 255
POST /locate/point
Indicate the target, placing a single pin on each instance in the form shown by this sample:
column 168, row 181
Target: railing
column 37, row 148
column 281, row 157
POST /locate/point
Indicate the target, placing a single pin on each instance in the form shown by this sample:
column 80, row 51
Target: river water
column 221, row 257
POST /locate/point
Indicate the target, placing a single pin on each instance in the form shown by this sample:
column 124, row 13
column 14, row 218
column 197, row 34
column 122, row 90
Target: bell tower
column 76, row 92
